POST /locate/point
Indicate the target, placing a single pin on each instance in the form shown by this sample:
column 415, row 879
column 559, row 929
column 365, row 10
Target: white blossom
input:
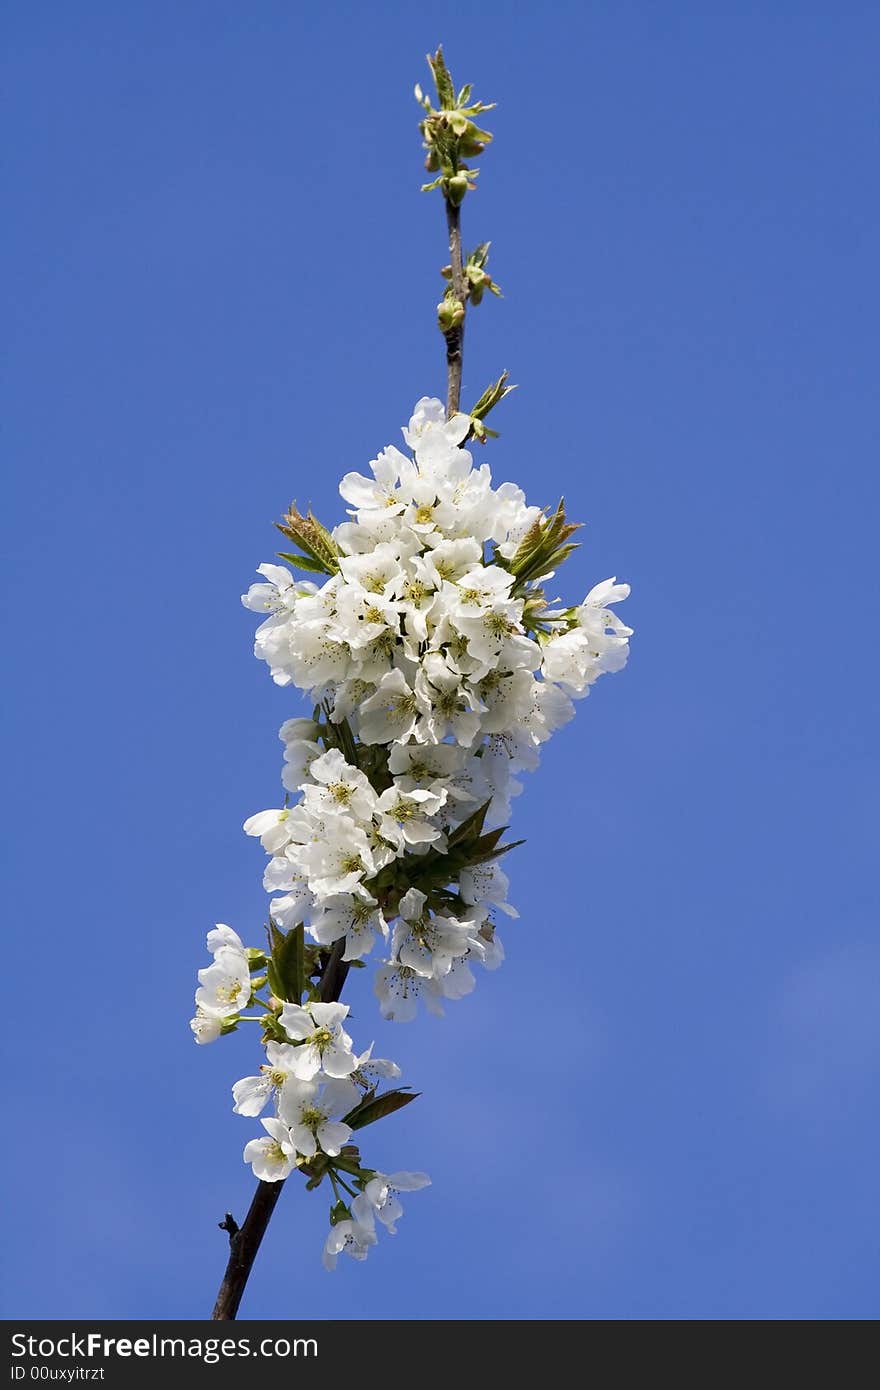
column 324, row 1043
column 392, row 713
column 427, row 942
column 436, row 669
column 379, row 1199
column 309, row 1108
column 358, row 919
column 252, row 1093
column 206, row 1029
column 225, row 986
column 350, row 1238
column 398, row 988
column 272, row 1157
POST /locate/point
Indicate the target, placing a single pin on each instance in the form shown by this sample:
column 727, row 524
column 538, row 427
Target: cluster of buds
column 477, row 280
column 450, row 133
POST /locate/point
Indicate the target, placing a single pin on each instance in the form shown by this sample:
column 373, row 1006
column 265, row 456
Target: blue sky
column 222, row 279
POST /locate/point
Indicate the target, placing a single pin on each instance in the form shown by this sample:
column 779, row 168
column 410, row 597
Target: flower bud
column 456, row 188
column 450, row 313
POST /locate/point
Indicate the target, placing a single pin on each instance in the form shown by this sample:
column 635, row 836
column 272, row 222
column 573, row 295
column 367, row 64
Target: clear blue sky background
column 222, row 278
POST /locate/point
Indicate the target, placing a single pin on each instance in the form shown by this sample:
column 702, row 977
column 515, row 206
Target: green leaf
column 470, row 828
column 311, row 537
column 368, row 1111
column 286, row 969
column 442, row 80
column 484, row 858
column 303, row 562
column 324, row 542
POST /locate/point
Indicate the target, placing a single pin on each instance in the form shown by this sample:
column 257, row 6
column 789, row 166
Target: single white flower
column 391, row 714
column 252, row 1093
column 325, row 1045
column 453, row 708
column 398, row 989
column 205, row 1028
column 486, row 883
column 429, row 418
column 225, row 986
column 379, row 1199
column 309, row 1109
column 271, row 827
column 340, row 787
column 273, row 596
column 358, row 919
column 299, row 753
column 350, row 1238
column 273, row 1157
column 381, row 492
column 427, row 942
column 404, row 816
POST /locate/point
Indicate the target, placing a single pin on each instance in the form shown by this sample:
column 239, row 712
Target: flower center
column 321, row 1038
column 403, row 705
column 499, row 625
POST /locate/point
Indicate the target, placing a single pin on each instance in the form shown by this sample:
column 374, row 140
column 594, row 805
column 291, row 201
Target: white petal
column 328, row 1015
column 332, row 1134
column 251, row 1094
column 296, row 1021
column 338, row 1061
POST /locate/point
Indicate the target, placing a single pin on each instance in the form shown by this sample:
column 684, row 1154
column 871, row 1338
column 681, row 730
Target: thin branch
column 455, row 336
column 245, row 1241
column 243, row 1247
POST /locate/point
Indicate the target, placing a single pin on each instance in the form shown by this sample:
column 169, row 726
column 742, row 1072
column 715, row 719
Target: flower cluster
column 436, row 667
column 320, row 1092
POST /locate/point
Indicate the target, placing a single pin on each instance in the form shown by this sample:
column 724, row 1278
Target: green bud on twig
column 450, row 313
column 450, row 132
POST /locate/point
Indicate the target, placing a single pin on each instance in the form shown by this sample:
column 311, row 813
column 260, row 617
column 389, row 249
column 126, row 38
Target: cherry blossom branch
column 245, row 1240
column 435, row 672
column 453, row 135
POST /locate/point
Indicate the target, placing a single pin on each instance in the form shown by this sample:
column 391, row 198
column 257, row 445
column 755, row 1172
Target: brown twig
column 455, row 336
column 245, row 1240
